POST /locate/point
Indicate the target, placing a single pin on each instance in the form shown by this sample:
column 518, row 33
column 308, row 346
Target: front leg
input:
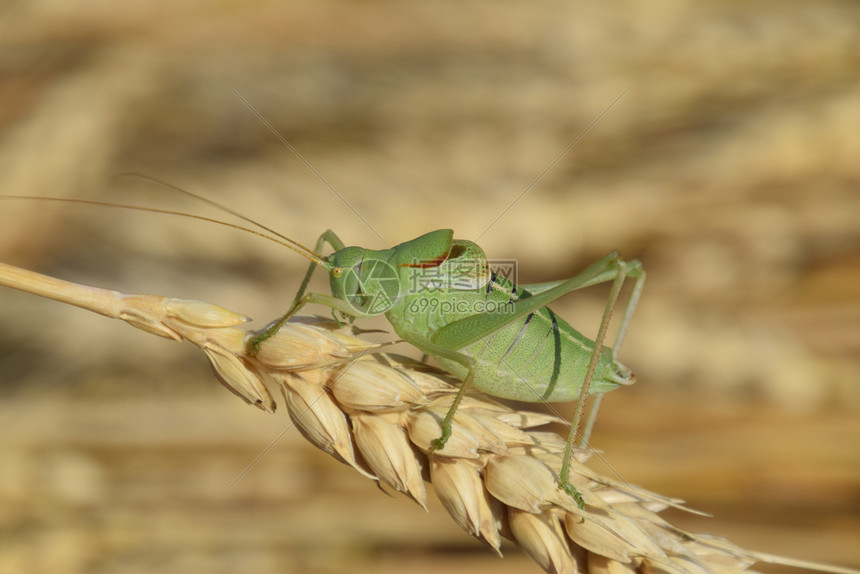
column 332, row 302
column 300, row 300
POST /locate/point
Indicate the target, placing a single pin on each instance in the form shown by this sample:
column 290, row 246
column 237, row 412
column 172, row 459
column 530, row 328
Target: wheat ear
column 378, row 414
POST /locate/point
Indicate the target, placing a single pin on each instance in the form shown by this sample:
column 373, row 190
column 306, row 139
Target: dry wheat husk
column 496, row 476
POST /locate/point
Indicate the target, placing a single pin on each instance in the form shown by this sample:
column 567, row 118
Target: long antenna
column 279, row 239
column 207, row 201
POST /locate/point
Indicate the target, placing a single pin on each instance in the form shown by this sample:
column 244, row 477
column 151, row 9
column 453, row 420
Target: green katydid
column 440, row 295
column 430, row 290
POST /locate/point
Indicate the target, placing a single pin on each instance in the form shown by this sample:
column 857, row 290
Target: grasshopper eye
column 337, row 272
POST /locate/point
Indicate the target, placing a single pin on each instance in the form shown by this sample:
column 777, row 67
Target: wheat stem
column 496, row 476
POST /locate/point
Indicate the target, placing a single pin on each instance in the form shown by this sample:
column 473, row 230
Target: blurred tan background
column 729, row 168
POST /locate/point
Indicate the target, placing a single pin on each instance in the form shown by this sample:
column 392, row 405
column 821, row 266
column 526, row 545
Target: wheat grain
column 496, row 476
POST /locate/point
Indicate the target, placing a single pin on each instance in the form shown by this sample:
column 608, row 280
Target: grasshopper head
column 365, row 279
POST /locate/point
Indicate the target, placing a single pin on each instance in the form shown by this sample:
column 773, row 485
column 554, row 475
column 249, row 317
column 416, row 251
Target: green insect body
column 534, row 358
column 440, row 295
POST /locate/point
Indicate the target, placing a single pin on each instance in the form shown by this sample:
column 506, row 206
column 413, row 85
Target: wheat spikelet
column 377, row 413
